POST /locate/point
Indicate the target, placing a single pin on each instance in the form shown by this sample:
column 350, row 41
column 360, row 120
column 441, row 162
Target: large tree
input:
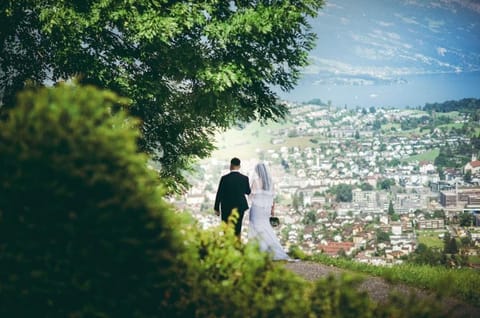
column 342, row 192
column 189, row 67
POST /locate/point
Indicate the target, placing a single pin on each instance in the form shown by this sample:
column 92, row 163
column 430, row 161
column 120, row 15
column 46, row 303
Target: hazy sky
column 393, row 53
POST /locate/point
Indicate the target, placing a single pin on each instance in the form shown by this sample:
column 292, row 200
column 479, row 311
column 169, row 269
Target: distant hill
column 316, row 101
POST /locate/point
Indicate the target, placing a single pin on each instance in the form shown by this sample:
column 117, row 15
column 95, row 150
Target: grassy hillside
column 461, row 283
column 248, row 141
column 430, row 238
column 426, row 156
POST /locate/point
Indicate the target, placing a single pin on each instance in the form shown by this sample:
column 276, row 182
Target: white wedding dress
column 259, row 222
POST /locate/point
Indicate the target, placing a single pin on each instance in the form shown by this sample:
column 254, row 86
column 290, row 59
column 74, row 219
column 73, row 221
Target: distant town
column 362, row 183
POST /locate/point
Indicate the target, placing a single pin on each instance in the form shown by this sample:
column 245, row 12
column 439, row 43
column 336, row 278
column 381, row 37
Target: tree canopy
column 391, row 210
column 365, row 186
column 188, row 67
column 466, row 219
column 466, row 105
column 386, row 184
column 342, row 192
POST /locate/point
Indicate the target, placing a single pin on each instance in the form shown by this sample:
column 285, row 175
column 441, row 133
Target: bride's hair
column 264, row 175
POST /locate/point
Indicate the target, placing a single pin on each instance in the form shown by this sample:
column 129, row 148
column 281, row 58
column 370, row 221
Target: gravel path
column 378, row 289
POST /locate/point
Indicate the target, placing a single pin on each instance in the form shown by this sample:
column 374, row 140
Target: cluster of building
column 348, row 147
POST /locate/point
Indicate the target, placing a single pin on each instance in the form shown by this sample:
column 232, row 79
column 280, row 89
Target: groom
column 231, row 195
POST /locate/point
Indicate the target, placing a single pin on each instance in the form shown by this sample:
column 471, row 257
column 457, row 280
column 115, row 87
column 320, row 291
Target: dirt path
column 379, row 289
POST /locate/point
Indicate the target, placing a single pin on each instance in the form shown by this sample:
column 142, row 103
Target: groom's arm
column 248, row 190
column 218, row 197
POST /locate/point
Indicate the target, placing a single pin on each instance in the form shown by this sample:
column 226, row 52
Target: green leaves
column 227, row 278
column 224, row 77
column 84, row 228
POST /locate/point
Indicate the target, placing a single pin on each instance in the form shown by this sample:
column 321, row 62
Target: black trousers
column 226, row 212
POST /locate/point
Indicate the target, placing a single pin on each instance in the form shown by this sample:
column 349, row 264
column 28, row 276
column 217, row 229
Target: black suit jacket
column 231, row 193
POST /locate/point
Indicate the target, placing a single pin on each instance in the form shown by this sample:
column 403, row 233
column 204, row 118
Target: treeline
column 424, row 122
column 466, row 105
column 316, row 101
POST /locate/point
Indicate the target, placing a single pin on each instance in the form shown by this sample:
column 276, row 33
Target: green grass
column 246, row 142
column 474, row 259
column 460, row 283
column 430, row 239
column 450, row 126
column 389, row 126
column 425, row 156
column 387, row 130
column 453, row 115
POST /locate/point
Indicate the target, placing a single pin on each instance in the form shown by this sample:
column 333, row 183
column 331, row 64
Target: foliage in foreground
column 228, row 279
column 84, row 231
column 83, row 228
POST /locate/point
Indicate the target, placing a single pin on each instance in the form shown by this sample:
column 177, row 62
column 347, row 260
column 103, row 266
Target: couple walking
column 231, row 194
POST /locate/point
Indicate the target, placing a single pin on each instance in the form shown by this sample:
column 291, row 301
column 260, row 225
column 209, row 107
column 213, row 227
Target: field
column 430, row 238
column 426, row 156
column 451, row 126
column 246, row 143
column 475, row 260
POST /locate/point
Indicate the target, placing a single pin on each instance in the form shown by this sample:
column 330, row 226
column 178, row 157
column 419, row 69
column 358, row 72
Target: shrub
column 227, row 279
column 337, row 297
column 230, row 279
column 83, row 228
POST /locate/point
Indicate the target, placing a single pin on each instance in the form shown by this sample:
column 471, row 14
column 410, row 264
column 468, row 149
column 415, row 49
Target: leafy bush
column 296, row 252
column 337, row 297
column 83, row 229
column 230, row 279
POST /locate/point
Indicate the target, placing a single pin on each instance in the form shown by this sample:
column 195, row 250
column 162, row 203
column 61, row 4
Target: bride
column 262, row 207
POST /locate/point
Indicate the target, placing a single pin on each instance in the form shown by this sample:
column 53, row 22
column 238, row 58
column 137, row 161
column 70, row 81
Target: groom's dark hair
column 235, row 162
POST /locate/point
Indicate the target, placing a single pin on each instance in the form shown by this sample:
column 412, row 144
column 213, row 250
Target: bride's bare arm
column 253, row 188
